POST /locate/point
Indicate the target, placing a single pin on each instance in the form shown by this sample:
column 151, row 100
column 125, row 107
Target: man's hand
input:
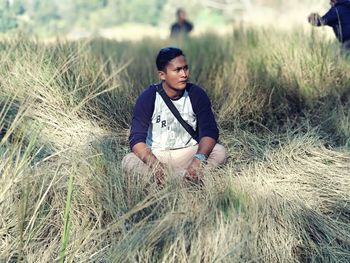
column 314, row 19
column 192, row 170
column 159, row 174
column 205, row 146
column 145, row 154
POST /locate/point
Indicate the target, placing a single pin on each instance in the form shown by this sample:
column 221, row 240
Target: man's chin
column 182, row 85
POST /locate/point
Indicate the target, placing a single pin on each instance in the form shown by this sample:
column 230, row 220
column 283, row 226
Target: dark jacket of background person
column 181, row 28
column 338, row 17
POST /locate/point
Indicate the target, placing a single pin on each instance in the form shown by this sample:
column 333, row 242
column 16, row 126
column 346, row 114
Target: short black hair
column 165, row 55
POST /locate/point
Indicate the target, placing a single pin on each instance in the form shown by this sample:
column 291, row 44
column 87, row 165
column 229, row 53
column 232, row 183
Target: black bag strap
column 175, row 112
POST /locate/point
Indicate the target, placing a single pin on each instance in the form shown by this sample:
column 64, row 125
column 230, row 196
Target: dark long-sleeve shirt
column 338, row 17
column 181, row 28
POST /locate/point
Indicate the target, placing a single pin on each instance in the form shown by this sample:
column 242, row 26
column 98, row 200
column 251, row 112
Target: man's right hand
column 314, row 19
column 145, row 154
column 159, row 174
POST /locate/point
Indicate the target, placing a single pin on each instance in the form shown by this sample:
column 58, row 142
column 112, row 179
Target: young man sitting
column 157, row 137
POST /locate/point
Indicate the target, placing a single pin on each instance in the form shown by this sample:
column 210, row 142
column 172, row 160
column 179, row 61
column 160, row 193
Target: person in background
column 182, row 26
column 158, row 139
column 338, row 17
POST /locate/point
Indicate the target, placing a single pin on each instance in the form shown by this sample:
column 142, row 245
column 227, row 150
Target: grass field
column 282, row 101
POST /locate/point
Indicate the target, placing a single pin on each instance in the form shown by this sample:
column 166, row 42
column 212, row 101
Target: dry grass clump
column 47, row 138
column 282, row 197
column 310, row 183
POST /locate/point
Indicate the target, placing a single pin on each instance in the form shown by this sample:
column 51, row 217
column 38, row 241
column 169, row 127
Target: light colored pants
column 178, row 159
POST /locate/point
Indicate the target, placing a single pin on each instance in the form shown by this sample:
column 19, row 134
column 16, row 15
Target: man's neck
column 172, row 93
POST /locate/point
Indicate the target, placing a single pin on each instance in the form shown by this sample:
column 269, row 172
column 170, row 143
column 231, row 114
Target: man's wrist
column 201, row 157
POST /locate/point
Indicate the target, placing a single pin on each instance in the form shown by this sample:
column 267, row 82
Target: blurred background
column 136, row 19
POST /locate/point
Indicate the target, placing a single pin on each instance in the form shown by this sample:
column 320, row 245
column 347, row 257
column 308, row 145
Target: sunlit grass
column 281, row 101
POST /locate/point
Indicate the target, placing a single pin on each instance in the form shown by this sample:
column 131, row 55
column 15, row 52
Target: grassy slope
column 282, row 102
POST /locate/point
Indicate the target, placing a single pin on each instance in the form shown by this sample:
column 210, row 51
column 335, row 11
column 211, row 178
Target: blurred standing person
column 338, row 17
column 182, row 26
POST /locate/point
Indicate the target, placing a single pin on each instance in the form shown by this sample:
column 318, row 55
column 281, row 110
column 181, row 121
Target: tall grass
column 281, row 101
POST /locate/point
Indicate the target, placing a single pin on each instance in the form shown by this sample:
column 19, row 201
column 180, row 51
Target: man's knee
column 129, row 162
column 218, row 155
column 221, row 153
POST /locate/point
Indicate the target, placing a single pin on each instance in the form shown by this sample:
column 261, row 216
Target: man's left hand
column 192, row 170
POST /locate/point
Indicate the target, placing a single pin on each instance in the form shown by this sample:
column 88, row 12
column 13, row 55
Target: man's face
column 182, row 16
column 176, row 73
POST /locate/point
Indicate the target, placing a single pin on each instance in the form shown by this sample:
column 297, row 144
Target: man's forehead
column 178, row 62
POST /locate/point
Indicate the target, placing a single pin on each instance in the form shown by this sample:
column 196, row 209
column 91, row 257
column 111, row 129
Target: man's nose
column 184, row 72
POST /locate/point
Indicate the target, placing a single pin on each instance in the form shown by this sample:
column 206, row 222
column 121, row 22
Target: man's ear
column 161, row 75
